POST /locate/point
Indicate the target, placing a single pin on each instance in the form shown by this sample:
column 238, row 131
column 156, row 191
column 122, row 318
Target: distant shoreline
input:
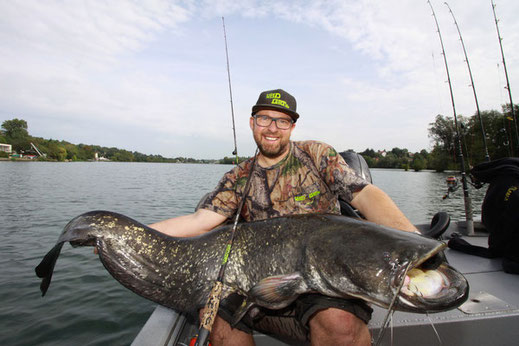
column 93, row 161
column 199, row 163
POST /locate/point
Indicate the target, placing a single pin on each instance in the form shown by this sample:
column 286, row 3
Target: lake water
column 85, row 305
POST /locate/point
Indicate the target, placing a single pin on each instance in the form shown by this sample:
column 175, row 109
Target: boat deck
column 489, row 317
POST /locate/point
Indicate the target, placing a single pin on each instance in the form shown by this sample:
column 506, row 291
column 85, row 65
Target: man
column 291, row 178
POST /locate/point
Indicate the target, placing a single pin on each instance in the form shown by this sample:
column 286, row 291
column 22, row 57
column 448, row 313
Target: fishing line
column 434, row 328
column 392, row 326
column 391, row 307
column 487, row 157
column 499, row 85
column 436, row 85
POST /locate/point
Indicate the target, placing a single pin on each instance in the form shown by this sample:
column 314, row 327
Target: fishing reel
column 452, row 185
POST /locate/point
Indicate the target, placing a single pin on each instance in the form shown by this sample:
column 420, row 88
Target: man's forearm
column 190, row 225
column 379, row 208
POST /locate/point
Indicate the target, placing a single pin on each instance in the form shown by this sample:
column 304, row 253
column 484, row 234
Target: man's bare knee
column 223, row 334
column 335, row 326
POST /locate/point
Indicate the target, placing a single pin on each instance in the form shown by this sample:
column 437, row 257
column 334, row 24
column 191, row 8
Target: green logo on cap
column 273, row 96
column 280, row 102
column 276, row 99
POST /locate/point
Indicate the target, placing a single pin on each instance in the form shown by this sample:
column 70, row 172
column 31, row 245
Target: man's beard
column 271, row 152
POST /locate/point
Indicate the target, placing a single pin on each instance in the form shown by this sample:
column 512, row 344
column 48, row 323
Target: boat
column 490, row 316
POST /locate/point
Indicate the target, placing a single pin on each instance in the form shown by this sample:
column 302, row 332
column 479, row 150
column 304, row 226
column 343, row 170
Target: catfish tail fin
column 46, row 267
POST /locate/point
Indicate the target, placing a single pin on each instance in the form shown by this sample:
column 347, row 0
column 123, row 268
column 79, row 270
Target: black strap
column 461, row 245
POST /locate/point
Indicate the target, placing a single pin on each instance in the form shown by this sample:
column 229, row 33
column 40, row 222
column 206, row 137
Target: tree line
column 499, row 133
column 15, row 132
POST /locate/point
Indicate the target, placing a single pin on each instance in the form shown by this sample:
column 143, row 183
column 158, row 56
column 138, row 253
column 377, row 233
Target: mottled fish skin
column 272, row 261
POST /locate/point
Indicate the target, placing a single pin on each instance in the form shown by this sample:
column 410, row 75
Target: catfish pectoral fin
column 46, row 267
column 278, row 291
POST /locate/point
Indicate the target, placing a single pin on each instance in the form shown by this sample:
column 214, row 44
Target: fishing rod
column 466, row 197
column 235, row 151
column 507, row 81
column 487, row 157
column 213, row 301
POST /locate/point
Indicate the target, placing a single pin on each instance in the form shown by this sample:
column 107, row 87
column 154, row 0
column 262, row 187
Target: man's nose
column 273, row 126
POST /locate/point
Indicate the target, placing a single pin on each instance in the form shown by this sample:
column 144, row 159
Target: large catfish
column 271, row 263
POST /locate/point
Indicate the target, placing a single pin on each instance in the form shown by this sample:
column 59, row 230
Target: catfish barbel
column 272, row 262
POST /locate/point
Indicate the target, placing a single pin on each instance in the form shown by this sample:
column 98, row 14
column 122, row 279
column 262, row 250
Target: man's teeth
column 271, row 138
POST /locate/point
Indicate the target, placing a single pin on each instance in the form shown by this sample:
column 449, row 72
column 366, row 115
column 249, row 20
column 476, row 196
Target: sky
column 151, row 76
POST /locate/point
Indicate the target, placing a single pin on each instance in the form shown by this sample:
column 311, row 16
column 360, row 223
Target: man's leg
column 338, row 327
column 223, row 334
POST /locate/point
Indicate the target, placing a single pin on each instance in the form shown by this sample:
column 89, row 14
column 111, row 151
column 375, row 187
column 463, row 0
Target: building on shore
column 6, row 148
column 100, row 158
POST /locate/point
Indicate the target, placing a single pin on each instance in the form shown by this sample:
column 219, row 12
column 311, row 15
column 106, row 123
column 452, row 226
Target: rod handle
column 210, row 311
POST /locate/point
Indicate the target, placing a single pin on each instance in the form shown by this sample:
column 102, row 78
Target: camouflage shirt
column 308, row 180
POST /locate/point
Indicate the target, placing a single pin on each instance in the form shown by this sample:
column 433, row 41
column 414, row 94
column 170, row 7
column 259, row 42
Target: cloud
column 91, row 31
column 69, row 59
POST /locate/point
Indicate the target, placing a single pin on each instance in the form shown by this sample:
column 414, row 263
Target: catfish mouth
column 432, row 290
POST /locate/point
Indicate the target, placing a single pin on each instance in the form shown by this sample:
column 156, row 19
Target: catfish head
column 372, row 262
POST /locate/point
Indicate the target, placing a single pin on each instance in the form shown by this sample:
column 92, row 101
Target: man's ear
column 251, row 123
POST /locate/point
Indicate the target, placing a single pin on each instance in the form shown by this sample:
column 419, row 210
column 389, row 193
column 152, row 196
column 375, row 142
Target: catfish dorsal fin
column 278, row 291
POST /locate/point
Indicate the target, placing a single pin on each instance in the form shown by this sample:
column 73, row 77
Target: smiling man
column 288, row 178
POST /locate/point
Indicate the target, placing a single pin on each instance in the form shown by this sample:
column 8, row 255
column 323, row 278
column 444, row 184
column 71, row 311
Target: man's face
column 272, row 141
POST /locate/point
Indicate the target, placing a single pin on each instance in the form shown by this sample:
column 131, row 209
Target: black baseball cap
column 278, row 100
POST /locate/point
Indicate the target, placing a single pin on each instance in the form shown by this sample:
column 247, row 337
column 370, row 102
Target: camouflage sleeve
column 224, row 199
column 340, row 178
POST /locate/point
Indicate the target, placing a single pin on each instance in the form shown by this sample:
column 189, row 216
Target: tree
column 15, row 128
column 439, row 160
column 16, row 134
column 388, row 161
column 443, row 133
column 370, row 161
column 85, row 152
column 495, row 127
column 56, row 151
column 122, row 155
column 419, row 162
column 72, row 151
column 370, row 156
column 369, row 152
column 400, row 153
